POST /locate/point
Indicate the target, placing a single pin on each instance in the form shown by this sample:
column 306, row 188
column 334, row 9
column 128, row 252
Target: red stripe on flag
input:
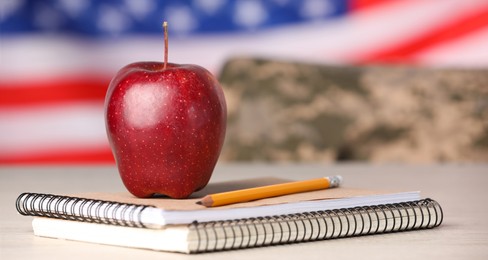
column 56, row 90
column 356, row 5
column 92, row 156
column 454, row 29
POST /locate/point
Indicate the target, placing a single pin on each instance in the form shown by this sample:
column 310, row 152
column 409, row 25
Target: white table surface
column 461, row 189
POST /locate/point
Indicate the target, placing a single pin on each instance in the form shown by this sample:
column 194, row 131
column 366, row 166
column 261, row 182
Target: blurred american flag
column 58, row 56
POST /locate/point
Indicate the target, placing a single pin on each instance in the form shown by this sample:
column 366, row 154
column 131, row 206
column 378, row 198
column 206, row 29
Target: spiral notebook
column 183, row 226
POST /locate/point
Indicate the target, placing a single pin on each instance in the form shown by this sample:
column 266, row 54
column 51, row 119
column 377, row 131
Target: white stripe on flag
column 74, row 126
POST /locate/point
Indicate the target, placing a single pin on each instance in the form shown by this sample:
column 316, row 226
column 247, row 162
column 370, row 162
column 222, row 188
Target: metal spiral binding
column 318, row 225
column 80, row 209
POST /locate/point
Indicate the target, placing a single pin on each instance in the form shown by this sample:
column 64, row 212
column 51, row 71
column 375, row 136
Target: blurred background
column 378, row 80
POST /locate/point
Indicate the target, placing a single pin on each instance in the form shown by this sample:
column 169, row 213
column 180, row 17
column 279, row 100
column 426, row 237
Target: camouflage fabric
column 283, row 111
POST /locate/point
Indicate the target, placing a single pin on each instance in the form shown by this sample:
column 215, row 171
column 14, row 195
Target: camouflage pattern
column 283, row 111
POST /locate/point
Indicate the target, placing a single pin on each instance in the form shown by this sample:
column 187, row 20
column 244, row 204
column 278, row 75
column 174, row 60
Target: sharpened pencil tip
column 199, row 203
column 206, row 201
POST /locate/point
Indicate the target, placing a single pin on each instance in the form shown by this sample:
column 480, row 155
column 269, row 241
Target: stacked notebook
column 184, row 226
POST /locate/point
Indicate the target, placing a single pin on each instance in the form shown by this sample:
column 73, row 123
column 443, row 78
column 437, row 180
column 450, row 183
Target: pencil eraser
column 335, row 181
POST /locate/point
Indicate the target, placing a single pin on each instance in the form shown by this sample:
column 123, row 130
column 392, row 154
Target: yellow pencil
column 231, row 197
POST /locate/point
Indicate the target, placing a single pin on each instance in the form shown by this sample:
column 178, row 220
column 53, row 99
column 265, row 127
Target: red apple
column 166, row 125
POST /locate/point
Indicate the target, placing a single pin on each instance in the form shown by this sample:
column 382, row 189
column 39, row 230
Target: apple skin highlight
column 166, row 127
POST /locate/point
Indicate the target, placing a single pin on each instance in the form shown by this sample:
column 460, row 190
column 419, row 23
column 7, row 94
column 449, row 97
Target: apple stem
column 165, row 29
